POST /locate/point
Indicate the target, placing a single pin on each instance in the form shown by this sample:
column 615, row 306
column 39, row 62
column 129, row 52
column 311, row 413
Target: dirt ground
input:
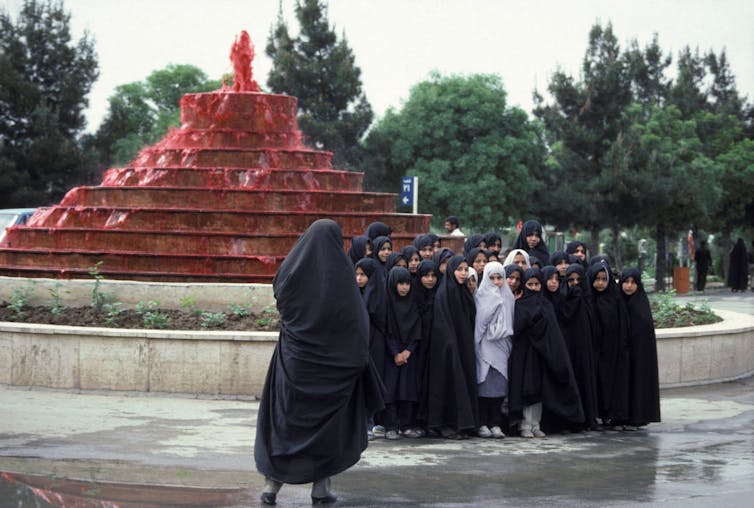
column 169, row 319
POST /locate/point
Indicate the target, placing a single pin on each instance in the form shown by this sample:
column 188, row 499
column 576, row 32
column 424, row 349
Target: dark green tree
column 475, row 156
column 321, row 72
column 582, row 122
column 687, row 91
column 140, row 113
column 45, row 78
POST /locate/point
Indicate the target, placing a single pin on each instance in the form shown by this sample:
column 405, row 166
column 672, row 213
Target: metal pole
column 416, row 195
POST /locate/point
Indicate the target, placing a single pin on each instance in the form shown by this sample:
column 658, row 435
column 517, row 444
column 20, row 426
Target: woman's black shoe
column 268, row 498
column 328, row 499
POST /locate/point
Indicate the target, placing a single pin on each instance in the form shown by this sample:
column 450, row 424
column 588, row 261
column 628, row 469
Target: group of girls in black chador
column 486, row 343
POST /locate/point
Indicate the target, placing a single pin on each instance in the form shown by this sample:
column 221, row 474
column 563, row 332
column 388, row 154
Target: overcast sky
column 397, row 43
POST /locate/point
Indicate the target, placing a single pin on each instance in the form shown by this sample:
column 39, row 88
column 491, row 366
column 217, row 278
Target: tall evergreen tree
column 321, row 72
column 45, row 78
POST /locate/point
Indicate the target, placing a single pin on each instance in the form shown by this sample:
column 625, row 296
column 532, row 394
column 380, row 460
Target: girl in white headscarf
column 517, row 257
column 492, row 336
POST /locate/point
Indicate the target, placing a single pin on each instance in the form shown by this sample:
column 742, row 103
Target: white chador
column 494, row 323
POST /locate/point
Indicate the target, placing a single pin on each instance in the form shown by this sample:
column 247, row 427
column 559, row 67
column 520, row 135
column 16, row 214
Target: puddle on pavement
column 47, row 491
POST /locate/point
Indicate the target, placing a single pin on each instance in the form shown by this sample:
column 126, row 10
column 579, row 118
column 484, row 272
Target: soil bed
column 169, row 319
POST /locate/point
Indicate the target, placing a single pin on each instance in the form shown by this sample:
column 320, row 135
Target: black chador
column 321, row 385
column 540, row 251
column 425, row 305
column 452, row 387
column 539, row 368
column 610, row 341
column 644, row 382
column 375, row 299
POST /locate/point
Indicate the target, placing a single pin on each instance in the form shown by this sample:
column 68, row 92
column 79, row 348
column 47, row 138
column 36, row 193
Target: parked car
column 13, row 216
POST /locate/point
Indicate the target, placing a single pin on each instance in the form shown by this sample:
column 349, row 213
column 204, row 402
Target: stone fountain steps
column 159, row 241
column 230, row 138
column 268, row 222
column 239, row 178
column 223, row 199
column 272, row 158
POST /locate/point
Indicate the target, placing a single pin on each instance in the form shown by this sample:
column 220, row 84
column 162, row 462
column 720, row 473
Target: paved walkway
column 58, row 448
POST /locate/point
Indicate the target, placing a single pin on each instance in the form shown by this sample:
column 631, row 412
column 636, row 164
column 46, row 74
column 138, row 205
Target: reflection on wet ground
column 24, row 490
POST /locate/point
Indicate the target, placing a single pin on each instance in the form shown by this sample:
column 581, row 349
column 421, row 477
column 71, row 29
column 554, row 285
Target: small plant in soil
column 188, row 304
column 151, row 315
column 212, row 319
column 98, row 297
column 239, row 310
column 112, row 310
column 668, row 314
column 19, row 300
column 57, row 307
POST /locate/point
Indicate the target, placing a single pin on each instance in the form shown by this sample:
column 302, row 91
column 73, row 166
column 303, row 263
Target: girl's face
column 361, row 277
column 580, row 253
column 514, row 281
column 629, row 286
column 413, row 263
column 368, row 251
column 533, row 284
column 600, row 281
column 532, row 240
column 495, row 247
column 402, row 263
column 553, row 283
column 427, row 252
column 497, row 279
column 471, row 284
column 482, row 245
column 429, row 280
column 573, row 280
column 493, row 257
column 403, row 288
column 442, row 267
column 519, row 260
column 385, row 251
column 462, row 273
column 479, row 261
column 562, row 267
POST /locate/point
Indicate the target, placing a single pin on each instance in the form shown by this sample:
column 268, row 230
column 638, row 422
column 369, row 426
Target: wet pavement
column 63, row 448
column 68, row 448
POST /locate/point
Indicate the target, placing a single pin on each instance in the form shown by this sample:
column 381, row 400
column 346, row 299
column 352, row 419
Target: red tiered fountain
column 222, row 198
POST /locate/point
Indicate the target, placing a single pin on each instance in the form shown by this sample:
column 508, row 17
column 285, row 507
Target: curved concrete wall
column 235, row 363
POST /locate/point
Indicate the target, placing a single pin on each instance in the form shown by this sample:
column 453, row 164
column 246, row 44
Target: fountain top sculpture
column 242, row 55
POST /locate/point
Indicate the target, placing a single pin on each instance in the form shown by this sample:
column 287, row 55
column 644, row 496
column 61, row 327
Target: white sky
column 398, row 42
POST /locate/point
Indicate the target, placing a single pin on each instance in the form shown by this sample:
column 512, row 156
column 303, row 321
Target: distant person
column 738, row 268
column 321, row 385
column 751, row 265
column 531, row 239
column 452, row 226
column 703, row 260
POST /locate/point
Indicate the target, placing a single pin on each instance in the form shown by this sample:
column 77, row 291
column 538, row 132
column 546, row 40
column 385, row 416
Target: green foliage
column 239, row 310
column 212, row 319
column 98, row 297
column 268, row 315
column 188, row 303
column 151, row 315
column 45, row 78
column 57, row 302
column 474, row 156
column 20, row 297
column 140, row 113
column 668, row 314
column 112, row 311
column 321, row 72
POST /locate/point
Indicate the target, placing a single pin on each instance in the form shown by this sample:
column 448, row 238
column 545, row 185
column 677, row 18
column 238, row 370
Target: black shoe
column 328, row 499
column 268, row 498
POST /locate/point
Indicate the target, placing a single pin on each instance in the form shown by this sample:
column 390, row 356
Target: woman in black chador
column 611, row 346
column 425, row 287
column 644, row 387
column 531, row 240
column 540, row 373
column 738, row 268
column 321, row 385
column 452, row 386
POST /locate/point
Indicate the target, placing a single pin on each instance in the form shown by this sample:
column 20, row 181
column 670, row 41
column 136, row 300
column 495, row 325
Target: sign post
column 410, row 192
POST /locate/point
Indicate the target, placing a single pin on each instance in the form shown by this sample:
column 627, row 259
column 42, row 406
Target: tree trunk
column 617, row 259
column 660, row 262
column 594, row 245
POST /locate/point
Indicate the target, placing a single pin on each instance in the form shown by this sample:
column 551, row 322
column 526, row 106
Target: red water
column 183, row 208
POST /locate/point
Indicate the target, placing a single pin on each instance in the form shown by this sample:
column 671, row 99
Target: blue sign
column 407, row 191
